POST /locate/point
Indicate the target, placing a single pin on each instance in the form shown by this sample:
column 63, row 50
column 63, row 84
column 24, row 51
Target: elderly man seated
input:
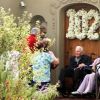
column 75, row 71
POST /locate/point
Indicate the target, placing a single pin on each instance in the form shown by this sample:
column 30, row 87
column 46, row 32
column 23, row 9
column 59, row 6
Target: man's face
column 78, row 53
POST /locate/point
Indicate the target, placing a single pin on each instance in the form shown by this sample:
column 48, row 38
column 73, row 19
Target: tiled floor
column 76, row 98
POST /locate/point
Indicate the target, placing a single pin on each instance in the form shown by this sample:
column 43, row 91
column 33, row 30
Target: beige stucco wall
column 12, row 4
column 53, row 12
column 42, row 7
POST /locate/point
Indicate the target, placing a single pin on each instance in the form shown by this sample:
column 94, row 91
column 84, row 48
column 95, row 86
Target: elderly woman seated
column 88, row 84
column 41, row 61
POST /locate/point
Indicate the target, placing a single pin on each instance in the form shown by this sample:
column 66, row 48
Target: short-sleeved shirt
column 41, row 66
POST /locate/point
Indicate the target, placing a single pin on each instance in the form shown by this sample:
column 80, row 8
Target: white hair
column 35, row 30
column 79, row 48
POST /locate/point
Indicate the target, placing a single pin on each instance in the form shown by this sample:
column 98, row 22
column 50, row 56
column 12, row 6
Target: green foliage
column 11, row 89
column 24, row 66
column 13, row 33
column 12, row 30
column 47, row 94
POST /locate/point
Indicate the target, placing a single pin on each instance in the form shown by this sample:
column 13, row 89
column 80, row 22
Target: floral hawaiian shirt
column 41, row 66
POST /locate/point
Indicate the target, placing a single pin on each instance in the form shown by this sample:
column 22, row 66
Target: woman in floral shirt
column 41, row 61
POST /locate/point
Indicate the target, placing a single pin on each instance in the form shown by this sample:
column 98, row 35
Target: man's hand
column 81, row 65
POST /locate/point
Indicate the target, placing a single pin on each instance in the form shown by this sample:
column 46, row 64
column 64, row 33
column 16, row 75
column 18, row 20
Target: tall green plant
column 13, row 89
column 12, row 30
column 13, row 33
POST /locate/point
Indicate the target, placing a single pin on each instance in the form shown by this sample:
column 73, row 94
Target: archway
column 43, row 23
column 69, row 44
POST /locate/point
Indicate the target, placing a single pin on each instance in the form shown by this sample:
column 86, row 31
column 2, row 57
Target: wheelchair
column 98, row 81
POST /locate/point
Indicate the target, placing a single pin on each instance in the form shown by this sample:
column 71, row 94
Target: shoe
column 75, row 93
column 87, row 93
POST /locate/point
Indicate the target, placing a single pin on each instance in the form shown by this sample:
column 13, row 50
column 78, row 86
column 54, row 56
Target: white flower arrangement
column 91, row 32
column 80, row 35
column 78, row 24
column 71, row 14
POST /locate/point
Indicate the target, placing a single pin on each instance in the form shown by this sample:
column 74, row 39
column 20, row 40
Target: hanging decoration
column 79, row 24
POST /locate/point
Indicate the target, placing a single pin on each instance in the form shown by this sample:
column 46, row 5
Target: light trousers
column 87, row 84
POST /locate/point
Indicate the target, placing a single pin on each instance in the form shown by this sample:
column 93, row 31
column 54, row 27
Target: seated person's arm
column 86, row 62
column 72, row 63
column 81, row 65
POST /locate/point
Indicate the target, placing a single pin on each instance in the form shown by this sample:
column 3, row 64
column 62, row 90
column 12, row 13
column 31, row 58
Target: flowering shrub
column 13, row 33
column 13, row 89
column 13, row 30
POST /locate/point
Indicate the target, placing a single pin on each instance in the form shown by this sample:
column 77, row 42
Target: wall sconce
column 22, row 4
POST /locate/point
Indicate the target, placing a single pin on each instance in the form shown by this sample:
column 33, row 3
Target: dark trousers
column 70, row 79
column 42, row 84
column 66, row 80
